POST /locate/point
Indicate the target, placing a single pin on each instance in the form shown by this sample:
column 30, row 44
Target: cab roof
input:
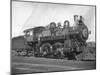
column 36, row 29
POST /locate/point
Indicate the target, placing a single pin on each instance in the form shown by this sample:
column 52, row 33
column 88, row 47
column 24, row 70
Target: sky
column 31, row 14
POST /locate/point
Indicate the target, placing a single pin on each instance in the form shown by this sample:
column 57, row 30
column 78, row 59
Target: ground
column 21, row 65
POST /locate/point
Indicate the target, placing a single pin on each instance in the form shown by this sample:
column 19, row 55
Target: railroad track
column 22, row 65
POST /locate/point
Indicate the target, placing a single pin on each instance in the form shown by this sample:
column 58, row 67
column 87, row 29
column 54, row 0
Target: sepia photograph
column 52, row 37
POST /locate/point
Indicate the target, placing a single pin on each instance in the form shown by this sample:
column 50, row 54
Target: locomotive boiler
column 59, row 41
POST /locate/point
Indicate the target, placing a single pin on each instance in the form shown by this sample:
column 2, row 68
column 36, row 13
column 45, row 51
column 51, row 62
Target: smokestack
column 75, row 18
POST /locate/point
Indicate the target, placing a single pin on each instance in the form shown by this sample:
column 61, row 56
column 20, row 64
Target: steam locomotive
column 59, row 41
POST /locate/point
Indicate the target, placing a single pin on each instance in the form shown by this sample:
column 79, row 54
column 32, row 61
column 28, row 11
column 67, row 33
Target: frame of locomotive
column 57, row 41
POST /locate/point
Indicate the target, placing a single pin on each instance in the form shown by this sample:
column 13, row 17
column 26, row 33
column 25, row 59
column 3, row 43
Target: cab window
column 29, row 33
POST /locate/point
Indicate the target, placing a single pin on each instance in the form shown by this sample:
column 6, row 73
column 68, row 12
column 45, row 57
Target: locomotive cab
column 32, row 34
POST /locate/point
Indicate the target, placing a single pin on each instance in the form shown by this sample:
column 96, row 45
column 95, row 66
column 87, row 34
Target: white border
column 5, row 36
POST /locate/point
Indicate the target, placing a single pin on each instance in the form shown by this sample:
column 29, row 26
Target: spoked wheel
column 45, row 50
column 58, row 50
column 29, row 52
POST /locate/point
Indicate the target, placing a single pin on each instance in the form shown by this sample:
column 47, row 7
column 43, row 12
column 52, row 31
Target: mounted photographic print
column 52, row 37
